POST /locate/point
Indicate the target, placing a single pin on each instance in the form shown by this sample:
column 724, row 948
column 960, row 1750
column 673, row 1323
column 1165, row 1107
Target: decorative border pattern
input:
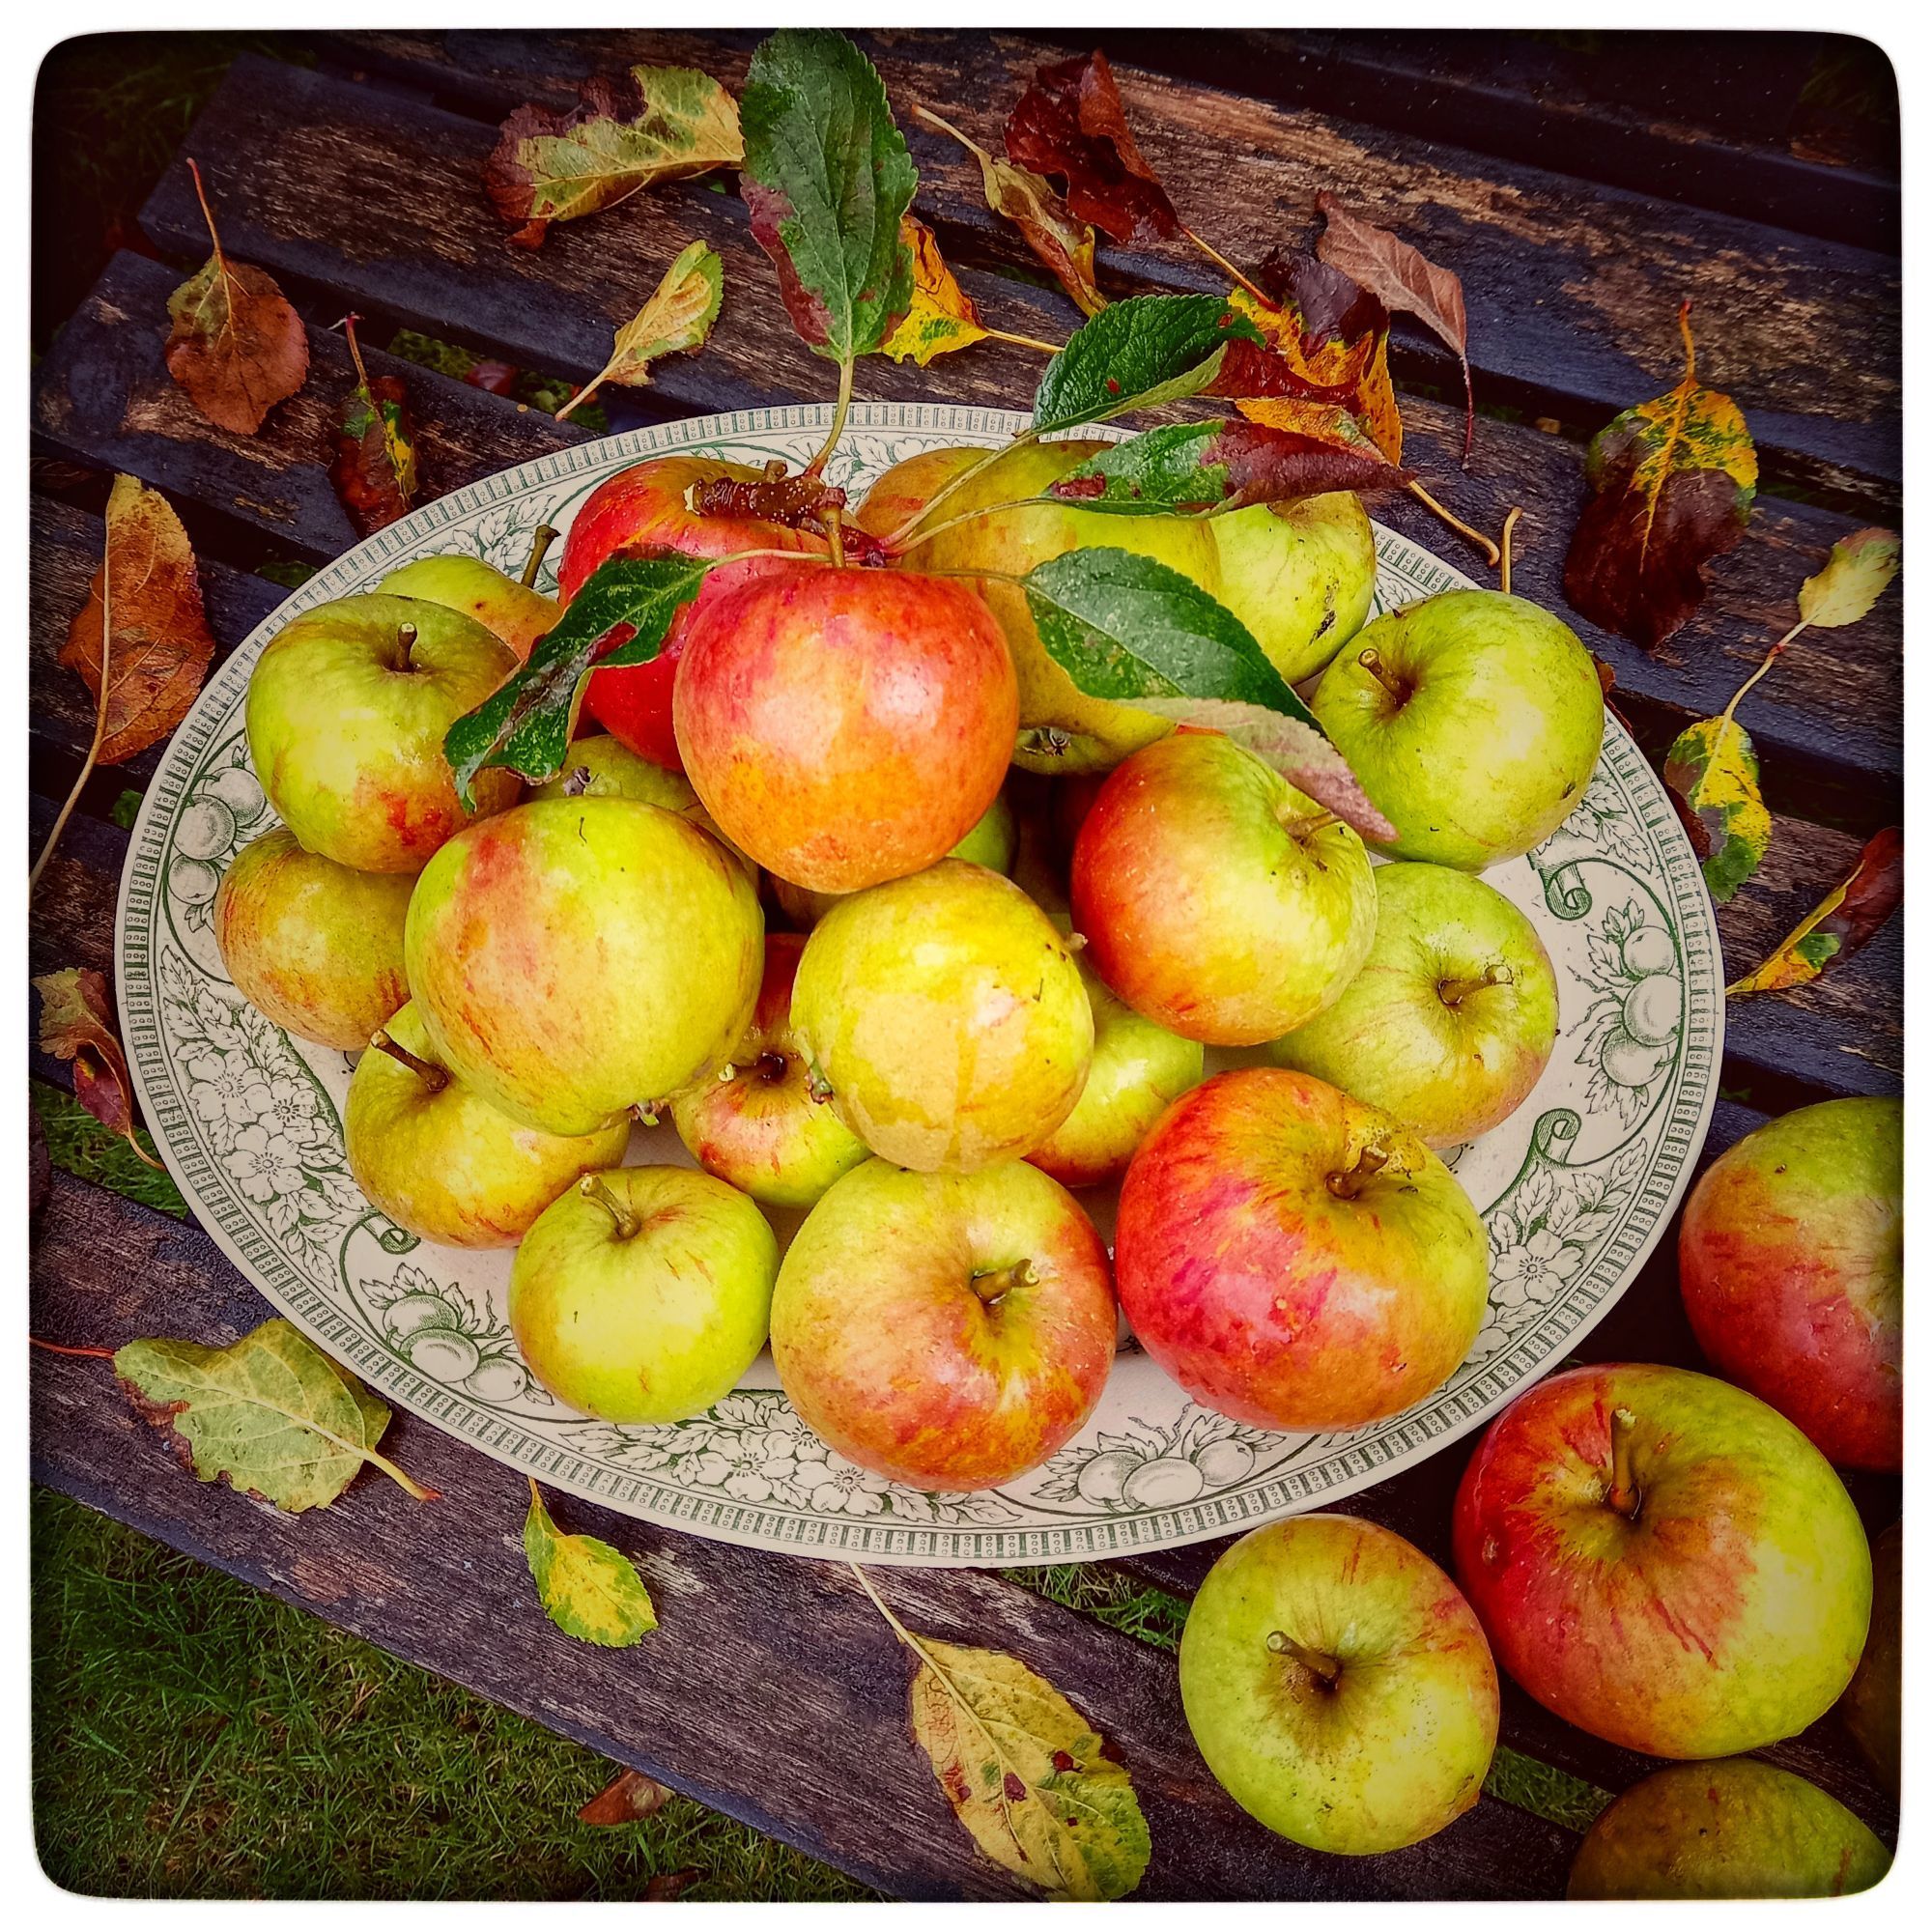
column 1580, row 1182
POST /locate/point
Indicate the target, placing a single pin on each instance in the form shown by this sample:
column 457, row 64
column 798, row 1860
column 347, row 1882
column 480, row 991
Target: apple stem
column 623, row 1222
column 432, row 1076
column 405, row 642
column 1371, row 662
column 993, row 1287
column 1509, row 531
column 1453, row 992
column 540, row 538
column 1371, row 1161
column 1624, row 1495
column 1303, row 825
column 1326, row 1669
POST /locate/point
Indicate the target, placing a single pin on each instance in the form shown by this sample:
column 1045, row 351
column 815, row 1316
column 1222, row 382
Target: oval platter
column 1576, row 1187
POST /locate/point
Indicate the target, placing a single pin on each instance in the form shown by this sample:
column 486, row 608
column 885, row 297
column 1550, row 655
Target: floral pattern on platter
column 1574, row 1187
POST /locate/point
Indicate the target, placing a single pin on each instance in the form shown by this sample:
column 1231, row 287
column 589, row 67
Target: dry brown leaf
column 629, row 1796
column 77, row 1024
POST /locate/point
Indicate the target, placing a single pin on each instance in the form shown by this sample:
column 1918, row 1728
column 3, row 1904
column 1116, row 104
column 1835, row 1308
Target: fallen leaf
column 629, row 1796
column 272, row 1414
column 1671, row 483
column 1855, row 574
column 1850, row 914
column 77, row 1024
column 157, row 644
column 1713, row 768
column 236, row 346
column 1070, row 122
column 1403, row 279
column 626, row 132
column 942, row 317
column 676, row 319
column 586, row 1587
column 667, row 1886
column 375, row 465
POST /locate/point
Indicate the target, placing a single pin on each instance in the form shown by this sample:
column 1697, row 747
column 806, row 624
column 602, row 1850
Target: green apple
column 1473, row 720
column 948, row 1330
column 757, row 1122
column 347, row 712
column 317, row 947
column 1735, row 1829
column 643, row 1294
column 1301, row 576
column 947, row 1017
column 500, row 604
column 1337, row 1685
column 1870, row 1707
column 599, row 766
column 1216, row 898
column 577, row 957
column 445, row 1163
column 991, row 843
column 1452, row 1017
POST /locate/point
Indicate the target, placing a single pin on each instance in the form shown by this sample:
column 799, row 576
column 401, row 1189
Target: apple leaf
column 1713, row 768
column 235, row 345
column 619, row 615
column 629, row 1796
column 1671, row 483
column 626, row 132
column 1850, row 914
column 676, row 319
column 587, row 1588
column 77, row 1024
column 1069, row 121
column 142, row 616
column 942, row 317
column 1855, row 574
column 1139, row 353
column 375, row 467
column 272, row 1414
column 1402, row 279
column 828, row 180
column 1200, row 469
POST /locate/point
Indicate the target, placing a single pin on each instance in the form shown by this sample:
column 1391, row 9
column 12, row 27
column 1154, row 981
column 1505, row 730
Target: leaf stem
column 349, row 323
column 1024, row 341
column 1227, row 266
column 93, row 756
column 898, row 538
column 843, row 408
column 1490, row 554
column 1509, row 531
column 75, row 1352
column 1771, row 656
column 206, row 213
column 1689, row 346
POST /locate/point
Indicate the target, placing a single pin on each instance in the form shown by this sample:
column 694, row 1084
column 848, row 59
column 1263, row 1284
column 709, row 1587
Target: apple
column 1295, row 1259
column 317, row 947
column 1337, row 1685
column 1792, row 1262
column 1870, row 1707
column 1301, row 576
column 1216, row 898
column 1710, row 1831
column 756, row 1122
column 577, row 957
column 347, row 711
column 845, row 725
column 1138, row 1069
column 1663, row 1560
column 648, row 508
column 640, row 1295
column 1452, row 1017
column 951, row 1331
column 602, row 766
column 1473, row 721
column 991, row 843
column 505, row 608
column 947, row 1017
column 442, row 1162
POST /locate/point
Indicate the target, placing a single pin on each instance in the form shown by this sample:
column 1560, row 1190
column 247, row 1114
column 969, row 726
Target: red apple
column 845, row 726
column 647, row 507
column 1663, row 1560
column 1792, row 1258
column 1295, row 1259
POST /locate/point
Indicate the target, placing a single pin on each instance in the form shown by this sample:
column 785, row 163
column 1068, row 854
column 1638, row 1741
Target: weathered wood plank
column 382, row 200
column 1572, row 295
column 818, row 1750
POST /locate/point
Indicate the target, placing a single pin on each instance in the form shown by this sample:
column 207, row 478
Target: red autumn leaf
column 667, row 1886
column 1069, row 121
column 499, row 378
column 1849, row 915
column 375, row 465
column 77, row 1024
column 629, row 1796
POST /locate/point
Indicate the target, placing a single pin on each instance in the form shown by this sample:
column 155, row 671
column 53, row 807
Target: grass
column 79, row 1143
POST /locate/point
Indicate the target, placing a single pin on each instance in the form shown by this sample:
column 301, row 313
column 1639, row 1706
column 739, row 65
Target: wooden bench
column 772, row 1691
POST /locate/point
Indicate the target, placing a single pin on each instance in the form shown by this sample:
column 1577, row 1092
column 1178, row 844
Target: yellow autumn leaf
column 1855, row 575
column 1843, row 920
column 676, row 319
column 588, row 1587
column 942, row 317
column 1330, row 358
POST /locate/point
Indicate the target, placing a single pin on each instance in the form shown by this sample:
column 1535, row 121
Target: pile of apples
column 934, row 1061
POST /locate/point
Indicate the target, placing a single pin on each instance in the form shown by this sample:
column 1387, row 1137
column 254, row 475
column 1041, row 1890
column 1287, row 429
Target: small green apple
column 317, row 947
column 1452, row 1017
column 991, row 843
column 1735, row 1829
column 1339, row 1685
column 643, row 1294
column 1301, row 577
column 1473, row 721
column 446, row 1164
column 600, row 766
column 500, row 604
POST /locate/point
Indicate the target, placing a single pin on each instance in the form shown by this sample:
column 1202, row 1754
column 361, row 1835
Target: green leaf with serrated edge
column 828, row 180
column 586, row 1587
column 525, row 724
column 272, row 1414
column 1207, row 468
column 1138, row 353
column 1855, row 575
column 1713, row 767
